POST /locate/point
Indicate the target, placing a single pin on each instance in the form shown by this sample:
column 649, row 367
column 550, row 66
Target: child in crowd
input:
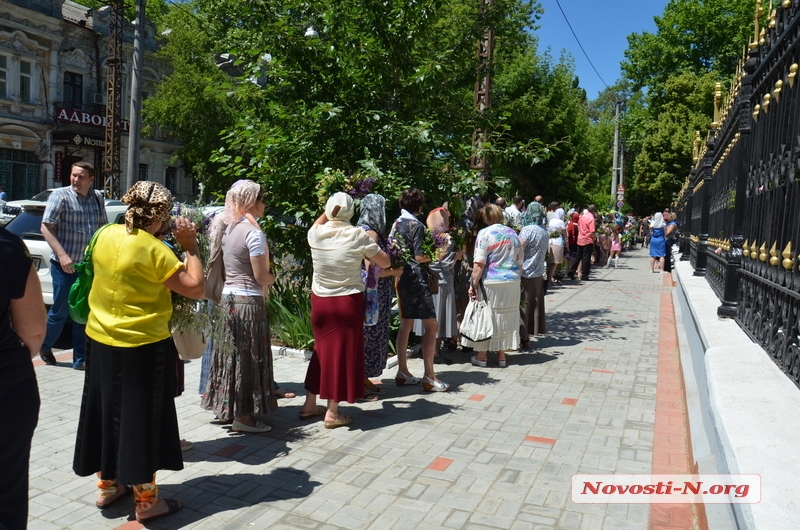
column 616, row 247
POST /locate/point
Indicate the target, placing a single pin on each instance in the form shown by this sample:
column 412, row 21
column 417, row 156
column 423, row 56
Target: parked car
column 11, row 209
column 27, row 224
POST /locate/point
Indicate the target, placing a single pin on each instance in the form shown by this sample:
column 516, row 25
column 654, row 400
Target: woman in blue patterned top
column 498, row 264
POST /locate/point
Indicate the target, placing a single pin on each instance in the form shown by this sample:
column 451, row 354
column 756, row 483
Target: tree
column 671, row 76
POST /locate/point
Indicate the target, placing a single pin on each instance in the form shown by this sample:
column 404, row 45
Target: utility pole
column 615, row 163
column 136, row 96
column 111, row 169
column 483, row 92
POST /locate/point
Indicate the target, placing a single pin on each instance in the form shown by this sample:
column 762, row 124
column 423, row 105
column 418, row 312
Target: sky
column 602, row 26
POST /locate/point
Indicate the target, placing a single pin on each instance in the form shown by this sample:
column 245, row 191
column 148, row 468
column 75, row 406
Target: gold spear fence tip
column 745, row 249
column 788, row 260
column 792, row 74
column 754, row 250
column 773, row 252
column 776, row 93
column 786, row 4
column 762, row 252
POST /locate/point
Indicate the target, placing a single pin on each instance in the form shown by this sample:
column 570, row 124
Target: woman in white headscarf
column 658, row 243
column 336, row 369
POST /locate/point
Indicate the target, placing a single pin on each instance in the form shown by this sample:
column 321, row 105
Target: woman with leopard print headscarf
column 128, row 428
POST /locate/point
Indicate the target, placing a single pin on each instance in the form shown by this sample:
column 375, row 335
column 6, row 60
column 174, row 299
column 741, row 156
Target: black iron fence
column 740, row 208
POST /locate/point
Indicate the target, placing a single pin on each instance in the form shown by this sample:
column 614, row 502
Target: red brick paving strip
column 440, row 464
column 60, row 357
column 131, row 525
column 599, row 371
column 569, row 401
column 229, row 451
column 477, row 397
column 539, row 439
column 672, row 452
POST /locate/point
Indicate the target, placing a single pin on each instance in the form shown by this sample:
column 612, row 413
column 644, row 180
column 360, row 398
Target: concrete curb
column 747, row 407
column 285, row 351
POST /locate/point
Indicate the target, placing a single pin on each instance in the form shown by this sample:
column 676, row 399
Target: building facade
column 52, row 99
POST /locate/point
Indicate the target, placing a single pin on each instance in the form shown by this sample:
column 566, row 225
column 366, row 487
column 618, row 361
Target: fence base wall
column 741, row 408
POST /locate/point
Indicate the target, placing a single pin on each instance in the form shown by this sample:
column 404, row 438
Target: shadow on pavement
column 250, row 449
column 212, row 494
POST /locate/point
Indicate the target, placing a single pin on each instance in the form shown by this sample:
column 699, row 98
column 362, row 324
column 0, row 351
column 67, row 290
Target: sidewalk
column 497, row 451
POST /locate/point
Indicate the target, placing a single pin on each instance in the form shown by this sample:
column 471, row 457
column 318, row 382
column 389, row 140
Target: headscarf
column 339, row 207
column 530, row 215
column 658, row 221
column 438, row 220
column 576, row 217
column 148, row 202
column 373, row 213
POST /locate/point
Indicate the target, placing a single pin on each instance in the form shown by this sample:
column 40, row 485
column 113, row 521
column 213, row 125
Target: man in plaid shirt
column 72, row 215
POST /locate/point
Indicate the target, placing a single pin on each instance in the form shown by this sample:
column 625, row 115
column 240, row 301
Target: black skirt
column 415, row 299
column 128, row 427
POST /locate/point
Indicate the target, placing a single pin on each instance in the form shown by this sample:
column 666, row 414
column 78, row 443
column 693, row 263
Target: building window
column 3, row 76
column 171, row 180
column 25, row 69
column 73, row 90
column 143, row 172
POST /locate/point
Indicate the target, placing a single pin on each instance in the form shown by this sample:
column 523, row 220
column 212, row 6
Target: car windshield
column 28, row 224
column 42, row 196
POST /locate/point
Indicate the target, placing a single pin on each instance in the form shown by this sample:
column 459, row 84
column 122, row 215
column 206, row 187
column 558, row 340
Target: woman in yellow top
column 128, row 428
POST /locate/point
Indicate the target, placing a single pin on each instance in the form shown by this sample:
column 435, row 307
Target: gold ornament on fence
column 762, row 252
column 788, row 261
column 776, row 93
column 773, row 252
column 754, row 250
column 745, row 249
column 792, row 74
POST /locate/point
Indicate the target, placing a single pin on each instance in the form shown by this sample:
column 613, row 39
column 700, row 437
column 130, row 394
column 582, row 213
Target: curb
column 284, row 351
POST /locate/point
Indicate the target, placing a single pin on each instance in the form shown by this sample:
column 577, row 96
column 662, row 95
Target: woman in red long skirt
column 336, row 369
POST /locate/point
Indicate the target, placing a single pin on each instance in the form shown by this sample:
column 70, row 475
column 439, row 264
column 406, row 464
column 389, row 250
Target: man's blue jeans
column 60, row 311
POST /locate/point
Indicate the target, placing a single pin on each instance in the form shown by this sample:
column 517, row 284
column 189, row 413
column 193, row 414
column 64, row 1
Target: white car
column 27, row 224
column 11, row 209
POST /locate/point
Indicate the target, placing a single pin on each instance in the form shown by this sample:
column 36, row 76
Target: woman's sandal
column 404, row 379
column 108, row 501
column 341, row 422
column 173, row 506
column 319, row 411
column 369, row 396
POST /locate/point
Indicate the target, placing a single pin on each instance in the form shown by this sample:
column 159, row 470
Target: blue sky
column 602, row 27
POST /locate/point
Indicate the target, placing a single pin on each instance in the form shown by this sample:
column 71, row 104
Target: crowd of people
column 508, row 256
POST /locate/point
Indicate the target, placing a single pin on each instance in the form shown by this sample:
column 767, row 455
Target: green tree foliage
column 670, row 77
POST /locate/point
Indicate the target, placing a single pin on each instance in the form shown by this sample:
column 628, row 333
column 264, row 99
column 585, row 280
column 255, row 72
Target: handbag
column 478, row 322
column 432, row 279
column 78, row 299
column 215, row 277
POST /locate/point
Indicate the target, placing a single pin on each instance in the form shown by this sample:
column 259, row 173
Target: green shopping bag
column 79, row 292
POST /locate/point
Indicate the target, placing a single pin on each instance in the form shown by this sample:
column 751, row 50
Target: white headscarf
column 657, row 221
column 345, row 208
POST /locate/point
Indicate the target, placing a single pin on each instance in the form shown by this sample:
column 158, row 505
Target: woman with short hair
column 414, row 297
column 128, row 428
column 498, row 265
column 241, row 386
column 336, row 369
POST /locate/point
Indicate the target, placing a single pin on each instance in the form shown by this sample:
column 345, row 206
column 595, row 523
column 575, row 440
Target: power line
column 579, row 43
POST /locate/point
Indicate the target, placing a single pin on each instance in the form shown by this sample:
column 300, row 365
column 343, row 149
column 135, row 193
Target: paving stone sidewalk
column 497, row 451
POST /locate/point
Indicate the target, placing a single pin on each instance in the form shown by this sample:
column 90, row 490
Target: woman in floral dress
column 376, row 338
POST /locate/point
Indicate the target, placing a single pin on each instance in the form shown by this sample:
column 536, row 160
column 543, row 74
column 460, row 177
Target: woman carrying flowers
column 376, row 337
column 416, row 301
column 446, row 254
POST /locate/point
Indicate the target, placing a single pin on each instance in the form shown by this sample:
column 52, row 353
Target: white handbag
column 477, row 324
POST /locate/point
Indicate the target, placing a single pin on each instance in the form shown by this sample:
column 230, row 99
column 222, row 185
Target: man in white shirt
column 516, row 209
